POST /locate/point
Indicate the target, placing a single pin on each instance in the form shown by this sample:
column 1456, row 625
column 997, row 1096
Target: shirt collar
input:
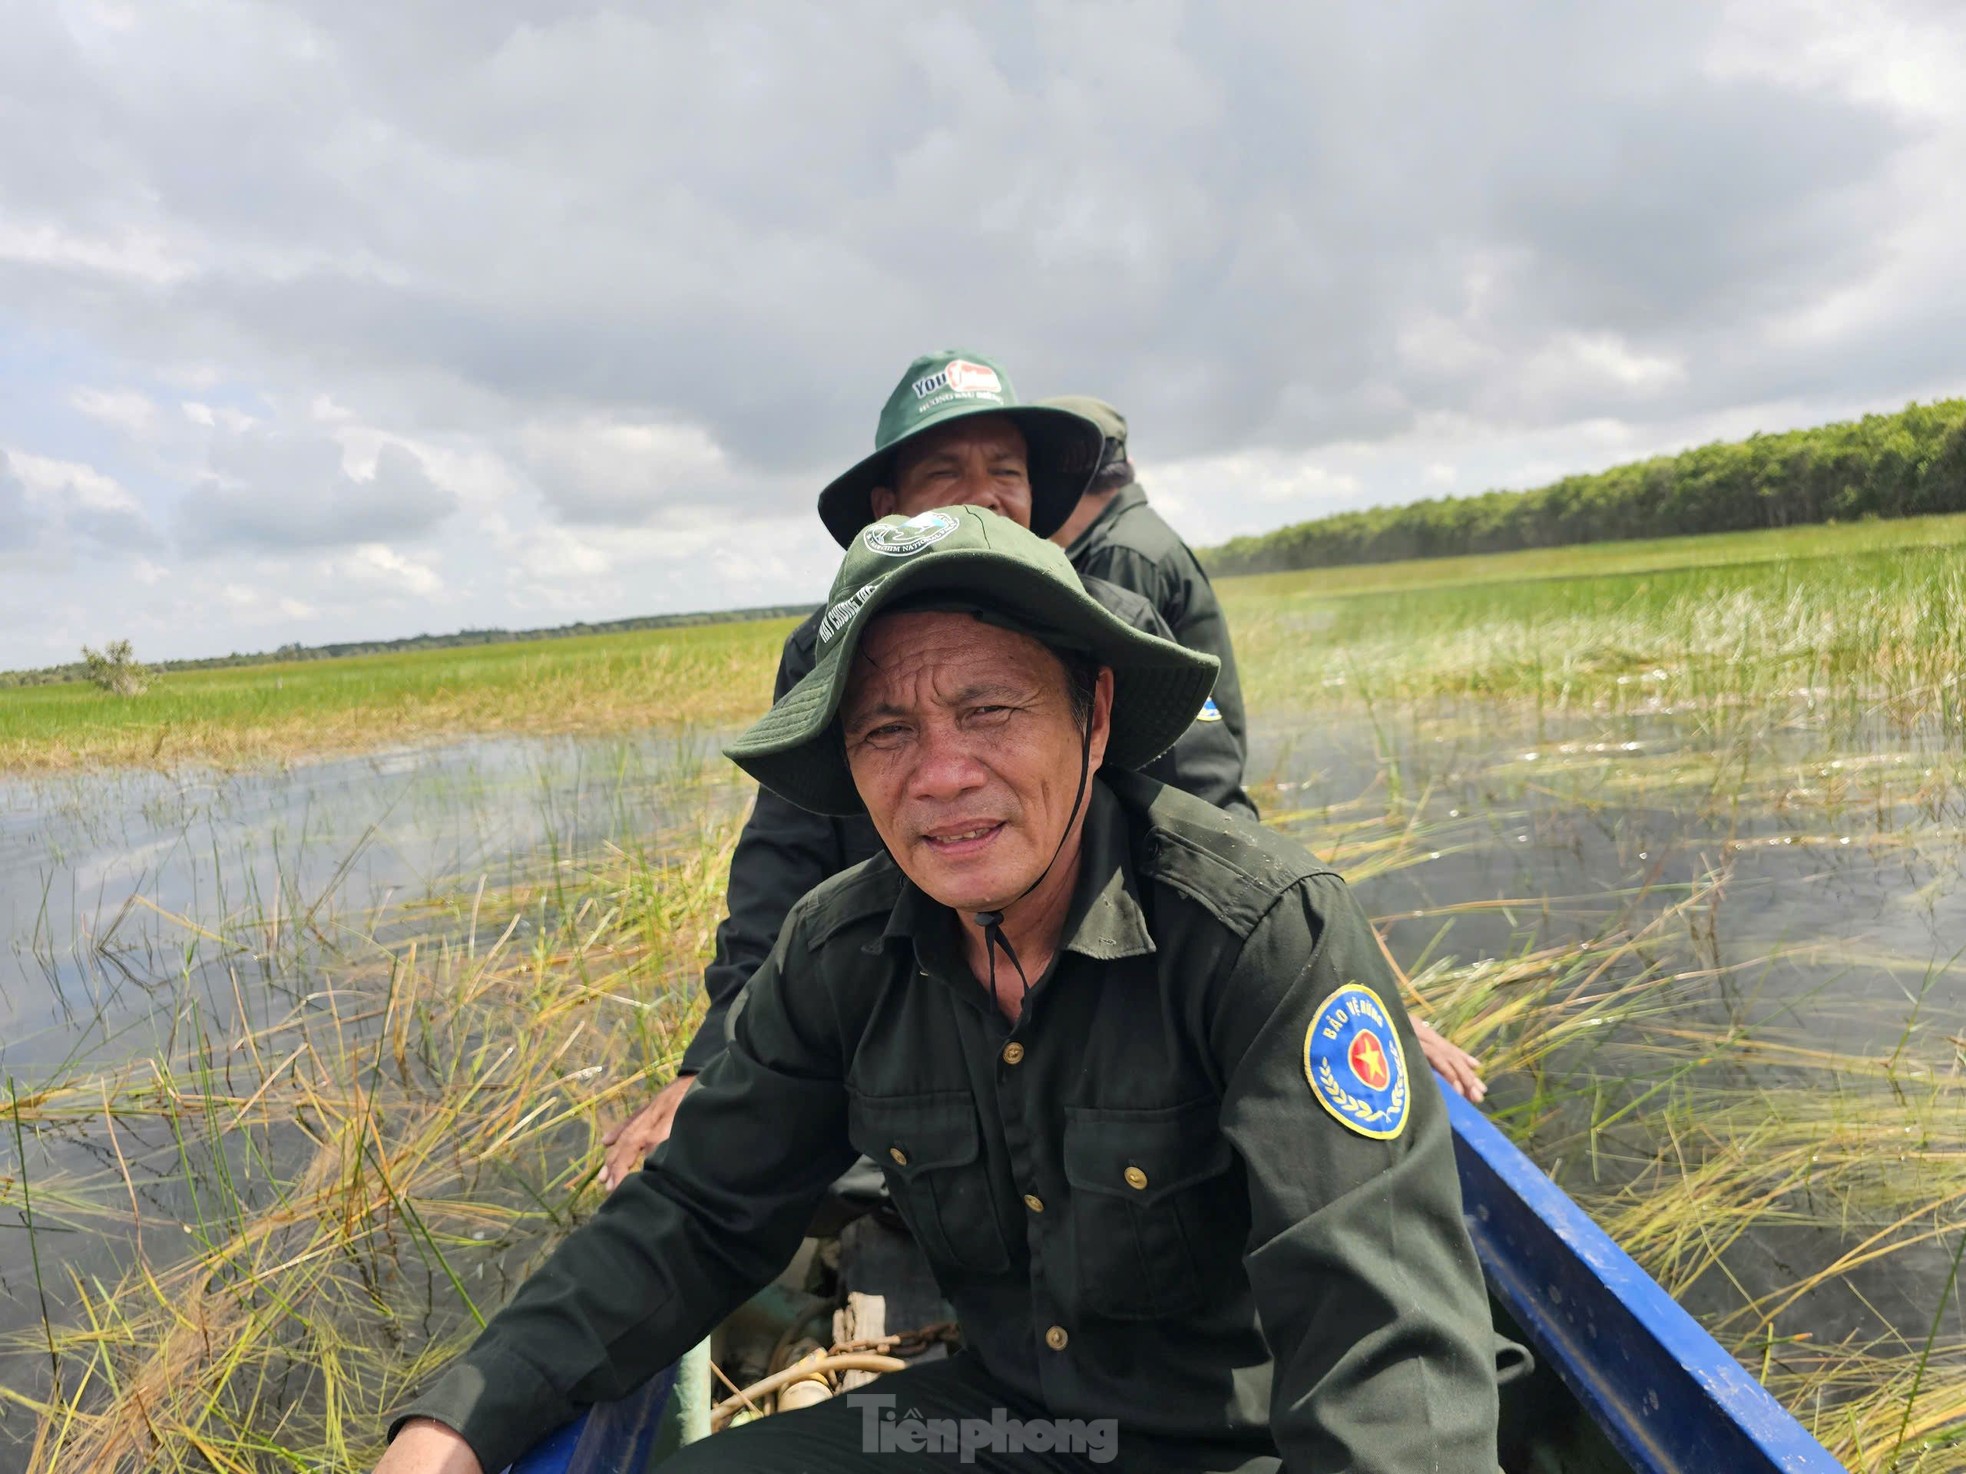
column 1105, row 922
column 1125, row 499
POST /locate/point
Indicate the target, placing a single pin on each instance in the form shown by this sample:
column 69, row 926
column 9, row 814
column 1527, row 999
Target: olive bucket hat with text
column 970, row 559
column 1062, row 447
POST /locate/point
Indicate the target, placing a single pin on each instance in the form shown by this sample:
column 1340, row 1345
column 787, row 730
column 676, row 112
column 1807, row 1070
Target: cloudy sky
column 344, row 318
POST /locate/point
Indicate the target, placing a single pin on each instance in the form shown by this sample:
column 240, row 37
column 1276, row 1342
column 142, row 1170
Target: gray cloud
column 290, row 491
column 1256, row 228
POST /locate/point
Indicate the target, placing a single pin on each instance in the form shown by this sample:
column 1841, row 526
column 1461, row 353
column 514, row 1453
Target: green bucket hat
column 939, row 387
column 1111, row 423
column 971, row 558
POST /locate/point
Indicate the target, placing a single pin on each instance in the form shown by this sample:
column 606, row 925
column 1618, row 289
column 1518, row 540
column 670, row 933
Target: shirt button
column 1034, row 1202
column 1013, row 1053
column 1056, row 1338
column 1135, row 1178
column 900, row 1157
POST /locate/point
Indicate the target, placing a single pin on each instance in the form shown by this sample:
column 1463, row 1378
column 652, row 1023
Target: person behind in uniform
column 952, row 432
column 1115, row 534
column 1135, row 1070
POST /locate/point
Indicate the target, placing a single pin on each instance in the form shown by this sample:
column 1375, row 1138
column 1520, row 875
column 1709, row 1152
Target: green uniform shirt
column 783, row 851
column 1130, row 544
column 1133, row 1197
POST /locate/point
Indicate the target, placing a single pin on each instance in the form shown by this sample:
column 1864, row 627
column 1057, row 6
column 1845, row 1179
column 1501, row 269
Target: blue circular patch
column 1353, row 1059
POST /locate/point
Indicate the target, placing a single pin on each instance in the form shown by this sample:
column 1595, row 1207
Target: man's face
column 962, row 744
column 977, row 461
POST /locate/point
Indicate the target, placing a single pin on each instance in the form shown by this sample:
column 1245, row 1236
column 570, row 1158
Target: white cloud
column 376, row 566
column 71, row 485
column 1286, row 486
column 135, row 255
column 223, row 416
column 1570, row 361
column 1435, row 343
column 126, row 410
column 621, row 473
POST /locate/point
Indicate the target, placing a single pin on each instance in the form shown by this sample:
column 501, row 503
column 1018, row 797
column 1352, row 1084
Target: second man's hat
column 1063, row 447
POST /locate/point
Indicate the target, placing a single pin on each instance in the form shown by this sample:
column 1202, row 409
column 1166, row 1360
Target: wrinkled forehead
column 984, row 432
column 909, row 657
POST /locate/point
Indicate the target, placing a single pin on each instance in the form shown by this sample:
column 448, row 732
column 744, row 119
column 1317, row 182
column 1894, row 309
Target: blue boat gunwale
column 1667, row 1395
column 1669, row 1398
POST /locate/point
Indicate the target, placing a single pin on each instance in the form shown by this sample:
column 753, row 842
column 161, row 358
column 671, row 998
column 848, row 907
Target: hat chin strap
column 992, row 921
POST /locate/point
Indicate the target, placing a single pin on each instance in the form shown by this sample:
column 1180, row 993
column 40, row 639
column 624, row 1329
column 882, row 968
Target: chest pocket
column 1158, row 1219
column 930, row 1149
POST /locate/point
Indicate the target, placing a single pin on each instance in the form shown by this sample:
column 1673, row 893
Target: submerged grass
column 317, row 1211
column 301, row 1218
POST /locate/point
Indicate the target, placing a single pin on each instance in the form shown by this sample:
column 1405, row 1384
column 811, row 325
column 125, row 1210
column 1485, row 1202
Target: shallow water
column 111, row 884
column 1841, row 920
column 1857, row 899
column 1834, row 918
column 144, row 911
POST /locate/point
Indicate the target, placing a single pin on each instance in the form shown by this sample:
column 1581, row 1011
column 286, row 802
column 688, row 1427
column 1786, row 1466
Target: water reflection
column 115, row 884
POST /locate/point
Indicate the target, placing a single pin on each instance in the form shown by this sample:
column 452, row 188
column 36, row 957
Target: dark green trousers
column 949, row 1415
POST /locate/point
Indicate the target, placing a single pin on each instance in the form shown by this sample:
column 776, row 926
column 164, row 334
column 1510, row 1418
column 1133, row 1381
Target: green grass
column 1558, row 625
column 703, row 675
column 1860, row 621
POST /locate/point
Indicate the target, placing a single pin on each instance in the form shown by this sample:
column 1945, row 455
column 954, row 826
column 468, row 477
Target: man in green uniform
column 1116, row 535
column 953, row 432
column 1135, row 1070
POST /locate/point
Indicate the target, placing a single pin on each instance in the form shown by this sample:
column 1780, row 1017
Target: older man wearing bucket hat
column 1134, row 1068
column 953, row 431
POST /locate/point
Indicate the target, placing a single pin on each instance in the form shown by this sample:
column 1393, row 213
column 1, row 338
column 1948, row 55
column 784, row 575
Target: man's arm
column 1369, row 1291
column 677, row 1246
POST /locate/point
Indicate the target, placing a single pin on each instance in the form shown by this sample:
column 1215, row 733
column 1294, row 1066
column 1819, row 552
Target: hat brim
column 796, row 749
column 1063, row 451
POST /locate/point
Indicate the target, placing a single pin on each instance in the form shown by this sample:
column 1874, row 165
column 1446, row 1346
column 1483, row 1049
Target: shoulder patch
column 1357, row 1069
column 1209, row 712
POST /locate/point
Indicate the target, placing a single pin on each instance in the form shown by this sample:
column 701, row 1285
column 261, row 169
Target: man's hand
column 642, row 1133
column 425, row 1446
column 1456, row 1066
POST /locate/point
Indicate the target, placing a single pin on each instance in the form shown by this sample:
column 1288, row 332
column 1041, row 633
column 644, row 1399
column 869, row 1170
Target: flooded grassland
column 305, row 1066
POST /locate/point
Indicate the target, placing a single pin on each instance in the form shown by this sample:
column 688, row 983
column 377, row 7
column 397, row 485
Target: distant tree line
column 90, row 670
column 1900, row 465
